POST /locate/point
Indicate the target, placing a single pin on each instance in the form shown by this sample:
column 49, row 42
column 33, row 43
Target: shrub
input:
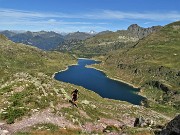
column 12, row 114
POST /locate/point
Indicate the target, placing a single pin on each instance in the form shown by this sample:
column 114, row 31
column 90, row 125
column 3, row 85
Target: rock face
column 140, row 32
column 173, row 127
column 159, row 85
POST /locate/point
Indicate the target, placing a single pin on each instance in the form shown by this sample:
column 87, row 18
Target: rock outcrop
column 142, row 122
column 140, row 32
column 172, row 128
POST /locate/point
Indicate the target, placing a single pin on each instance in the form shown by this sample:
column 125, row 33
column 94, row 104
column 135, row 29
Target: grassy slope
column 24, row 70
column 101, row 44
column 18, row 57
column 154, row 58
column 27, row 87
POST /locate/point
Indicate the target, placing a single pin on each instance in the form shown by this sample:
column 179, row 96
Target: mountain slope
column 152, row 64
column 78, row 36
column 106, row 41
column 31, row 99
column 42, row 39
column 21, row 57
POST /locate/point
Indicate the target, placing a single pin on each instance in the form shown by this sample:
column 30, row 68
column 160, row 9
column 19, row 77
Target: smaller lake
column 97, row 81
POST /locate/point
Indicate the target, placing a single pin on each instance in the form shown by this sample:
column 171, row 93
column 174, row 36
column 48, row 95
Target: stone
column 1, row 124
column 85, row 102
column 56, row 91
column 51, row 104
column 3, row 132
column 107, row 131
column 93, row 106
column 139, row 122
column 173, row 127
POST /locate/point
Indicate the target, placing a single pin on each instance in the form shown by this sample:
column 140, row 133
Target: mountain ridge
column 102, row 43
column 46, row 40
column 49, row 40
column 78, row 36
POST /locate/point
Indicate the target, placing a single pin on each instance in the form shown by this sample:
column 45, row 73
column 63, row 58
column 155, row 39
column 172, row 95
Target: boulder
column 139, row 122
column 172, row 128
column 3, row 132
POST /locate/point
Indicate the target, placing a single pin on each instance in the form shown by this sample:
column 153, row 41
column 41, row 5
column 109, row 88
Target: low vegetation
column 153, row 65
column 107, row 41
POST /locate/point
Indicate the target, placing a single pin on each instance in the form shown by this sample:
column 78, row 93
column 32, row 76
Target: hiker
column 74, row 96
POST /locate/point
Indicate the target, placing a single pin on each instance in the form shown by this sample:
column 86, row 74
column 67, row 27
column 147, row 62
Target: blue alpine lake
column 98, row 82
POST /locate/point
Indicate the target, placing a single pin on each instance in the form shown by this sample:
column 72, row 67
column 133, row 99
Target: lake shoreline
column 62, row 70
column 119, row 80
column 116, row 85
column 69, row 66
column 89, row 66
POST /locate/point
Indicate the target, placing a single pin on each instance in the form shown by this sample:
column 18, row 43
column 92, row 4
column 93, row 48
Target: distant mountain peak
column 141, row 32
column 133, row 27
column 92, row 32
column 78, row 35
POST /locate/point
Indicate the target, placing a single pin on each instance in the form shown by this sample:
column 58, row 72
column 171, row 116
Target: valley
column 32, row 101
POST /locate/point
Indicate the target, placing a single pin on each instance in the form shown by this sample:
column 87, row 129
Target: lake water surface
column 97, row 81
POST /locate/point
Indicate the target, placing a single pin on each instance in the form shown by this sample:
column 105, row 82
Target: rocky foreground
column 92, row 115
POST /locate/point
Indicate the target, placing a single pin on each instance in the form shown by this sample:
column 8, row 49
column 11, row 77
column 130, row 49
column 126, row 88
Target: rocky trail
column 46, row 116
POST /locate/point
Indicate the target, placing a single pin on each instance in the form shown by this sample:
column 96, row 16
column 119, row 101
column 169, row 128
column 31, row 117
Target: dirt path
column 44, row 116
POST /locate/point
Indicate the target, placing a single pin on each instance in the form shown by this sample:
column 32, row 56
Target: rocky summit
column 140, row 32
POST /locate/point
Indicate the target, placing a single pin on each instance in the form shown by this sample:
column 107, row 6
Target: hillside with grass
column 107, row 41
column 45, row 40
column 153, row 65
column 32, row 102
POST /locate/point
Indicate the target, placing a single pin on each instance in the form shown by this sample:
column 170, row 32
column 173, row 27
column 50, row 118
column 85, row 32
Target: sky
column 85, row 15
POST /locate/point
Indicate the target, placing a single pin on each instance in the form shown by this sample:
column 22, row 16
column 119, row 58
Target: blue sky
column 85, row 15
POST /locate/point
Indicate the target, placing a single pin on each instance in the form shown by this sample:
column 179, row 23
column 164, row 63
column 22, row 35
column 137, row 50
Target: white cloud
column 10, row 16
column 27, row 14
column 98, row 19
column 51, row 20
column 147, row 22
column 119, row 15
column 101, row 14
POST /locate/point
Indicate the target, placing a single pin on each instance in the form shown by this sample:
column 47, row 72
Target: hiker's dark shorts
column 74, row 98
